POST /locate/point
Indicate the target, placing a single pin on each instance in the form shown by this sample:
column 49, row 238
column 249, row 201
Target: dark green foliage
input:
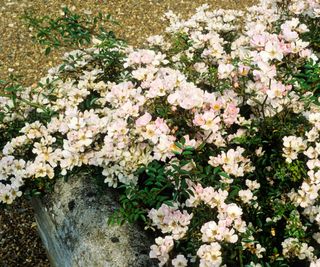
column 70, row 30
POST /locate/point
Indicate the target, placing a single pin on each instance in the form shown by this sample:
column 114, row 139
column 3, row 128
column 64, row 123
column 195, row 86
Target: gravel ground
column 138, row 19
column 19, row 242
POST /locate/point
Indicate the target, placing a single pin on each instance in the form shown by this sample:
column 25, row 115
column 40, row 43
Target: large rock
column 72, row 223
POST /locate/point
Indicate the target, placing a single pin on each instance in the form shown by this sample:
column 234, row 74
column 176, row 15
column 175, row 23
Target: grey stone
column 72, row 222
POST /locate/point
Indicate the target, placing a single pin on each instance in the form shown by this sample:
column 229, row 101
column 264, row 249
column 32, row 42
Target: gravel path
column 19, row 242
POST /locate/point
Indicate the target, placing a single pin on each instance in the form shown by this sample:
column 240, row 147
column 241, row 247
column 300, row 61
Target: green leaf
column 224, row 174
column 216, row 170
column 189, row 148
column 187, row 153
column 179, row 145
column 208, row 169
column 47, row 51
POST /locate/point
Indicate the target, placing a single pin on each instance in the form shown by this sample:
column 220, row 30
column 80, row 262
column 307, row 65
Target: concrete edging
column 72, row 223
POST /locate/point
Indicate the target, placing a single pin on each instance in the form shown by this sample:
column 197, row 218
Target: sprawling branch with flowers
column 211, row 133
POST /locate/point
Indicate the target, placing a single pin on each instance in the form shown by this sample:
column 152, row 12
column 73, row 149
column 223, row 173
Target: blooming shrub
column 211, row 133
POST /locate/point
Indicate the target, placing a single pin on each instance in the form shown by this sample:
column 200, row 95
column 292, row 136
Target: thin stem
column 240, row 257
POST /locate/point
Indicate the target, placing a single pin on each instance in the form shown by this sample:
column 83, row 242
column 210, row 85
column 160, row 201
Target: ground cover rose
column 210, row 133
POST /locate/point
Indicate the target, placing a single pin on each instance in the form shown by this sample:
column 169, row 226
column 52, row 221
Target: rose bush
column 211, row 134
